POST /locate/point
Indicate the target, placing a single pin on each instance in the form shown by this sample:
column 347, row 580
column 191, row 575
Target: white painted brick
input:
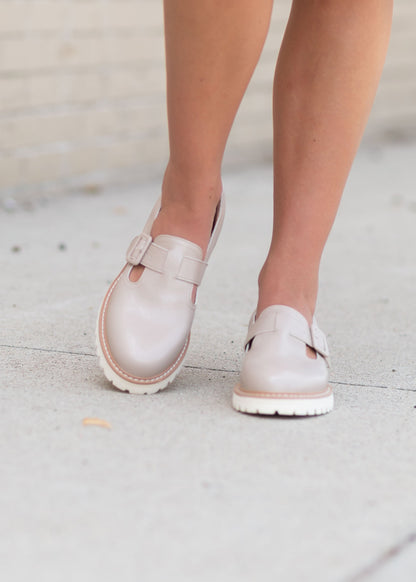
column 84, row 159
column 40, row 168
column 13, row 93
column 10, row 172
column 142, row 15
column 82, row 90
column 84, row 87
column 28, row 131
column 31, row 16
column 143, row 80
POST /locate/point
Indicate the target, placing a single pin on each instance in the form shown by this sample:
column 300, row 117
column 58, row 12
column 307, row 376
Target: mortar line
column 384, row 559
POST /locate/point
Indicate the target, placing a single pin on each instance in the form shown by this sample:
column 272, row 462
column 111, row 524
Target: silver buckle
column 138, row 248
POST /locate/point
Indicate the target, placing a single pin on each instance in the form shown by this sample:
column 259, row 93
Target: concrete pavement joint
column 374, row 386
column 363, row 385
column 388, row 555
column 211, row 369
column 49, row 350
column 70, row 353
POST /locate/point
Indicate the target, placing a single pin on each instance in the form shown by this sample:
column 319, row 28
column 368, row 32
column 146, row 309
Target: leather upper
column 147, row 322
column 144, row 325
column 276, row 360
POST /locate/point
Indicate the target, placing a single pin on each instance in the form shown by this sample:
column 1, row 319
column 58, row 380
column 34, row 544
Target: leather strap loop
column 191, row 270
column 142, row 250
column 311, row 336
column 319, row 342
column 153, row 256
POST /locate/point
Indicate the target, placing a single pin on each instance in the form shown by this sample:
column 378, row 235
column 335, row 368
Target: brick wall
column 82, row 94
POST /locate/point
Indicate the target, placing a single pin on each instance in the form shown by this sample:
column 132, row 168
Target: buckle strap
column 312, row 336
column 153, row 256
column 318, row 340
column 191, row 270
column 138, row 248
column 257, row 326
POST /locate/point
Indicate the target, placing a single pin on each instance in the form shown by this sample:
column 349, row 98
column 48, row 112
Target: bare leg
column 326, row 77
column 212, row 48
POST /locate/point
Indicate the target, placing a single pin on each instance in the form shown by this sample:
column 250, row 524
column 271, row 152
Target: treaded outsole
column 283, row 406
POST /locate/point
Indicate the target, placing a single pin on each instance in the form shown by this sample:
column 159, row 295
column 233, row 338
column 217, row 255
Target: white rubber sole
column 132, row 387
column 283, row 406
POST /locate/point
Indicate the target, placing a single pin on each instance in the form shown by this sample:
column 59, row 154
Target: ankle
column 279, row 286
column 188, row 206
column 195, row 190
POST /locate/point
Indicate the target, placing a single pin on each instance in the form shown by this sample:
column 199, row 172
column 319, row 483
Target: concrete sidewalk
column 182, row 488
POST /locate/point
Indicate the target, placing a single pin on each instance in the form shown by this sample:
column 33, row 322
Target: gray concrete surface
column 182, row 487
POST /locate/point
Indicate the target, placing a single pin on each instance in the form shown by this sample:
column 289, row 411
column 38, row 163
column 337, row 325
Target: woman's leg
column 212, row 48
column 326, row 78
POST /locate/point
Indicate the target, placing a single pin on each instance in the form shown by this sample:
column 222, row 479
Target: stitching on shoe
column 283, row 395
column 114, row 365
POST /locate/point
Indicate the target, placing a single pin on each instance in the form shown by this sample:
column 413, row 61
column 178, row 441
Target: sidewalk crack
column 71, row 353
column 356, row 384
column 373, row 386
column 384, row 559
column 191, row 367
column 48, row 350
column 211, row 369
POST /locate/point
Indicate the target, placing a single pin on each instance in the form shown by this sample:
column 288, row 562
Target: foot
column 189, row 214
column 297, row 292
column 281, row 285
column 143, row 329
column 277, row 377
